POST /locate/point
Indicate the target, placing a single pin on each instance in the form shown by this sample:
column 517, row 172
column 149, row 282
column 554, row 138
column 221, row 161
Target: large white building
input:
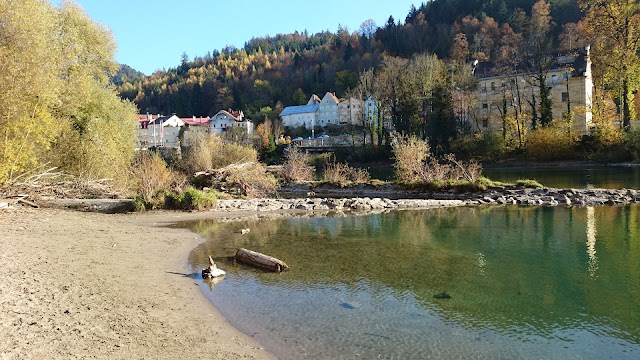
column 323, row 112
column 328, row 110
column 156, row 131
column 570, row 82
column 228, row 119
column 302, row 115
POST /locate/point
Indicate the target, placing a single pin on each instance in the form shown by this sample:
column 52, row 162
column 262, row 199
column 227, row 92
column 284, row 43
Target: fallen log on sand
column 260, row 260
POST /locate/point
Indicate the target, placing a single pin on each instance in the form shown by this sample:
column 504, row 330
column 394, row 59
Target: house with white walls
column 228, row 119
column 328, row 110
column 302, row 115
column 158, row 131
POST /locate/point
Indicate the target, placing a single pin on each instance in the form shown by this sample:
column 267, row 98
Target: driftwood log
column 260, row 260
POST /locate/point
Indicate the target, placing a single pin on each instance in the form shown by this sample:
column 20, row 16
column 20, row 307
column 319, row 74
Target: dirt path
column 85, row 285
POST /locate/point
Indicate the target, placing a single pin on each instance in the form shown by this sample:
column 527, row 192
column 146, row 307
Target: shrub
column 483, row 145
column 340, row 173
column 415, row 165
column 632, row 142
column 252, row 180
column 208, row 152
column 410, row 154
column 551, row 143
column 192, row 199
column 528, row 183
column 199, row 155
column 470, row 171
column 233, row 154
column 139, row 204
column 296, row 166
column 151, row 175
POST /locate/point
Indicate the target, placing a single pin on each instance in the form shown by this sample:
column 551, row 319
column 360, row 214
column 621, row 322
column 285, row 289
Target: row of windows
column 553, row 81
column 565, row 98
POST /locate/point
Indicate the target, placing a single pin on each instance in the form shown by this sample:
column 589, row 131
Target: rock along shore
column 367, row 197
column 363, row 198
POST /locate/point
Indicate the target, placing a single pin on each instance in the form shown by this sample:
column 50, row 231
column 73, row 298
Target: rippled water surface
column 524, row 283
column 609, row 177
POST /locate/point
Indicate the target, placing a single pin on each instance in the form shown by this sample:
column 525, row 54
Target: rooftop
column 574, row 61
column 301, row 109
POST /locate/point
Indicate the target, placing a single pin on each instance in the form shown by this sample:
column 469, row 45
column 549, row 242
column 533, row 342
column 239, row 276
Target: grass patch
column 529, row 183
column 189, row 199
column 377, row 182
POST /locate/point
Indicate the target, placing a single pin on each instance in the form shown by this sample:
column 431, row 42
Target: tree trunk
column 626, row 111
column 260, row 260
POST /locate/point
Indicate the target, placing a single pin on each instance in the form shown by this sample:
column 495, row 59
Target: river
column 524, row 282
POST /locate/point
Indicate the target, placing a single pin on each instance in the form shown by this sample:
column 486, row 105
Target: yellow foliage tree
column 56, row 104
column 29, row 85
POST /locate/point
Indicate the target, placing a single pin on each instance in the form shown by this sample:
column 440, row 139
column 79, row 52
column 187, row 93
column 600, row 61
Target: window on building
column 493, row 86
column 565, row 96
column 485, row 106
column 554, row 79
column 485, row 122
column 483, row 87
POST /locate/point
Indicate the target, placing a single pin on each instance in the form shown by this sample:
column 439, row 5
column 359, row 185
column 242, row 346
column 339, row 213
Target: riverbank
column 79, row 285
column 391, row 196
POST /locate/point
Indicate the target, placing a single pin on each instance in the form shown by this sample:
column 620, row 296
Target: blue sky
column 153, row 34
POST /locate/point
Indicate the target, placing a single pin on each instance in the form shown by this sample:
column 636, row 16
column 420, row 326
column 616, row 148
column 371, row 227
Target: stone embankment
column 547, row 197
column 369, row 198
column 387, row 199
column 333, row 204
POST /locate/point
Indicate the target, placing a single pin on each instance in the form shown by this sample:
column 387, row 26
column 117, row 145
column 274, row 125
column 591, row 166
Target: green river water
column 525, row 283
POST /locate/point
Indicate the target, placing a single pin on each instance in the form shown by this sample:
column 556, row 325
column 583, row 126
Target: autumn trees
column 614, row 26
column 56, row 104
column 417, row 96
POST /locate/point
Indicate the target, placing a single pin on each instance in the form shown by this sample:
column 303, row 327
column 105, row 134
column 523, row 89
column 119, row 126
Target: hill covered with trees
column 287, row 68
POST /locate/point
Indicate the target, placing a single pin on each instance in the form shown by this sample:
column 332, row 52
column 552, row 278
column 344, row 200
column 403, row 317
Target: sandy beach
column 87, row 285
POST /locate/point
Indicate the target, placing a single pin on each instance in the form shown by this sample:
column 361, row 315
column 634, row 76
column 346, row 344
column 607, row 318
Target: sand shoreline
column 88, row 285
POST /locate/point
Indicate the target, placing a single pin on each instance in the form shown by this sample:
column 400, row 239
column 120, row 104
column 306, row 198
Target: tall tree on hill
column 510, row 58
column 614, row 26
column 540, row 47
column 396, row 94
column 426, row 73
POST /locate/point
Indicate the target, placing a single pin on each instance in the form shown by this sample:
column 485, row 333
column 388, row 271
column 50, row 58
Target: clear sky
column 153, row 34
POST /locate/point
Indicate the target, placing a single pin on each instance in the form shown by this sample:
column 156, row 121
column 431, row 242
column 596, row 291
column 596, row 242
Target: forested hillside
column 285, row 69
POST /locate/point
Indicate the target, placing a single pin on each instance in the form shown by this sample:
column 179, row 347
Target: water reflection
column 525, row 282
column 591, row 241
column 609, row 177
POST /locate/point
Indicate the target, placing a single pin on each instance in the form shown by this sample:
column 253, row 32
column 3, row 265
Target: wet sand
column 86, row 285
